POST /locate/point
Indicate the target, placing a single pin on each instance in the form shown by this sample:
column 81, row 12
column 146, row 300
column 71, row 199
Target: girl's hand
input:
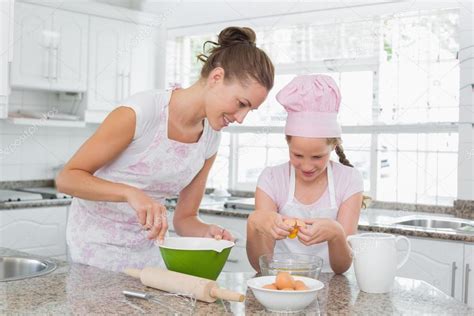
column 218, row 233
column 151, row 214
column 269, row 223
column 320, row 230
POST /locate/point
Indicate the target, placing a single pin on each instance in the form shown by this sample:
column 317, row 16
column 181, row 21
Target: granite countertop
column 372, row 219
column 81, row 289
column 34, row 203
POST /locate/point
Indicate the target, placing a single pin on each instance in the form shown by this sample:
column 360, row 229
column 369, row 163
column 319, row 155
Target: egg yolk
column 295, row 224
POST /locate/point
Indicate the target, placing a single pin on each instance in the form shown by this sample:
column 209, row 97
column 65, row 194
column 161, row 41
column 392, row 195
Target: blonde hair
column 337, row 142
column 236, row 52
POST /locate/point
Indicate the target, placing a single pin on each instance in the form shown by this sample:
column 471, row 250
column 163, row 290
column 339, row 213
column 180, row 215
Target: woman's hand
column 320, row 230
column 218, row 233
column 269, row 223
column 151, row 214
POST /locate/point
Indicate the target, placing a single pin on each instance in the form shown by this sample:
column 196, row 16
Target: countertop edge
column 382, row 228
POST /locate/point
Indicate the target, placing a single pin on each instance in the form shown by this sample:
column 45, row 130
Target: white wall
column 30, row 152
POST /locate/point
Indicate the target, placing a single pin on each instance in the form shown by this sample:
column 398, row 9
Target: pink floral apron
column 107, row 234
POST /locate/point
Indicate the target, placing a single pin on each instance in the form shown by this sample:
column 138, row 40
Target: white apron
column 293, row 208
column 107, row 234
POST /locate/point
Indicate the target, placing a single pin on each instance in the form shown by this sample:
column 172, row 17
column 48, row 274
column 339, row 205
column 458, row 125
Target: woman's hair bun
column 236, row 35
column 236, row 53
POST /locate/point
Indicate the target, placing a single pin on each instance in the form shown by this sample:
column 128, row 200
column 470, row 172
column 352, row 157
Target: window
column 399, row 80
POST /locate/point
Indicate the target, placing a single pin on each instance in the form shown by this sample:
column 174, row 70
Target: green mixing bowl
column 202, row 257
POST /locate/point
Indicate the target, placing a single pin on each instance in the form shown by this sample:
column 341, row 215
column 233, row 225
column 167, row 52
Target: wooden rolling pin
column 174, row 282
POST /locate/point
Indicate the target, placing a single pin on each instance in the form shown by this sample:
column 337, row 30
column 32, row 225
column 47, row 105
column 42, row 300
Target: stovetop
column 242, row 204
column 46, row 192
column 17, row 196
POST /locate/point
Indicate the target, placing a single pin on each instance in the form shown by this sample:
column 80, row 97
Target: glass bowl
column 296, row 264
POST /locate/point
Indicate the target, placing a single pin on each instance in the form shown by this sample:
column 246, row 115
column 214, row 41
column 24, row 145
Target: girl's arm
column 264, row 226
column 335, row 232
column 186, row 220
column 340, row 254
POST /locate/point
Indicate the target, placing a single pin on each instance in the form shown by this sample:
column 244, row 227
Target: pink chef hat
column 312, row 103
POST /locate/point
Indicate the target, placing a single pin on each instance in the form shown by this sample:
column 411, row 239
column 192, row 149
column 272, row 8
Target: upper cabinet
column 141, row 74
column 6, row 53
column 101, row 55
column 106, row 53
column 50, row 50
column 121, row 63
column 69, row 54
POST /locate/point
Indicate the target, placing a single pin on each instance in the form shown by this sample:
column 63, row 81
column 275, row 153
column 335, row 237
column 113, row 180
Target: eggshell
column 290, row 222
column 300, row 223
column 293, row 233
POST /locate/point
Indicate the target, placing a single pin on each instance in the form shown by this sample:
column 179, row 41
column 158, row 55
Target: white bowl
column 284, row 301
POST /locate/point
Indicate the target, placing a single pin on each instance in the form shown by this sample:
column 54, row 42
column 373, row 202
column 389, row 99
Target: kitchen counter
column 374, row 220
column 34, row 203
column 80, row 289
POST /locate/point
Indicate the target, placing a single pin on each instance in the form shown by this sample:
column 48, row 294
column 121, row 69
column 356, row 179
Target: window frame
column 338, row 65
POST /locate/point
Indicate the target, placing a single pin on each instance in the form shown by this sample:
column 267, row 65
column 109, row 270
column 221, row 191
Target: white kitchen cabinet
column 50, row 50
column 6, row 49
column 236, row 225
column 468, row 277
column 141, row 74
column 238, row 260
column 440, row 263
column 69, row 55
column 39, row 231
column 121, row 63
column 105, row 46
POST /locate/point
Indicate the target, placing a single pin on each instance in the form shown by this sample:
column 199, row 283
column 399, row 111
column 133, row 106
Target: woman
column 157, row 144
column 323, row 195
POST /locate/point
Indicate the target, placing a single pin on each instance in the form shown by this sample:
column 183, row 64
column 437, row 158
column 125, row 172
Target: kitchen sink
column 438, row 223
column 18, row 268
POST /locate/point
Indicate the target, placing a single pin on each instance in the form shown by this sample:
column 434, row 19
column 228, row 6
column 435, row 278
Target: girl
column 323, row 194
column 156, row 144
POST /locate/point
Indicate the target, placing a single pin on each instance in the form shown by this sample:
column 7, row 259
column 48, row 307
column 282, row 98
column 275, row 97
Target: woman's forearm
column 340, row 254
column 82, row 184
column 190, row 226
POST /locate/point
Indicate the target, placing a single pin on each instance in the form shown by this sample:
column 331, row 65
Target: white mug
column 375, row 260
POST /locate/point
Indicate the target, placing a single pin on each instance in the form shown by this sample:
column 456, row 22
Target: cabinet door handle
column 9, row 77
column 232, row 260
column 55, row 63
column 453, row 277
column 466, row 283
column 46, row 66
column 128, row 84
column 11, row 41
column 122, row 83
column 119, row 87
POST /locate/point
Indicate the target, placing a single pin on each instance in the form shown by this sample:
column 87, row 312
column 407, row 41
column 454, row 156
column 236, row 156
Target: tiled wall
column 33, row 152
